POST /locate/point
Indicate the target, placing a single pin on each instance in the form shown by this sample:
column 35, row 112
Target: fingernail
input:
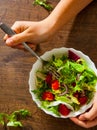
column 9, row 42
column 82, row 118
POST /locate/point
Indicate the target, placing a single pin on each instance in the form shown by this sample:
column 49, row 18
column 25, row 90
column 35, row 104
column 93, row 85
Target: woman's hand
column 37, row 32
column 30, row 32
column 88, row 119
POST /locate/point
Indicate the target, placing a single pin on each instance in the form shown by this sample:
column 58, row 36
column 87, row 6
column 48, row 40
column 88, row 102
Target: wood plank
column 15, row 65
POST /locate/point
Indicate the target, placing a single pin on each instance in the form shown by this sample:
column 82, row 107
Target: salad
column 74, row 88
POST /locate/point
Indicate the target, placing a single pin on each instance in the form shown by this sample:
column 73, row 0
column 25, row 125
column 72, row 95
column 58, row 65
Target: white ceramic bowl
column 37, row 65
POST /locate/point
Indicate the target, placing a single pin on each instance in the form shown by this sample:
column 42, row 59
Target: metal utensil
column 10, row 32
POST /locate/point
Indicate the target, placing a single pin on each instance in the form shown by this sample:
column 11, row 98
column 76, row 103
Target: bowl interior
column 47, row 56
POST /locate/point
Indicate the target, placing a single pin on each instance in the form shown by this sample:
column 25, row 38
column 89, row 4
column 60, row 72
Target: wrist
column 47, row 27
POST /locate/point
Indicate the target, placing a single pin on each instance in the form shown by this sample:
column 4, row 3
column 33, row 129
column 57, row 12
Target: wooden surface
column 15, row 65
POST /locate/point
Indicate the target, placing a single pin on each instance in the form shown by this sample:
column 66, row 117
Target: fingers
column 78, row 122
column 21, row 47
column 16, row 39
column 85, row 124
column 20, row 36
column 92, row 113
column 88, row 119
column 19, row 28
column 5, row 37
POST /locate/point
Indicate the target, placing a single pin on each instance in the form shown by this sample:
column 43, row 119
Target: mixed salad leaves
column 74, row 88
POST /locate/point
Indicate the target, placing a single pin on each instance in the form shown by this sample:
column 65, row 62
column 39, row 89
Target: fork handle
column 10, row 32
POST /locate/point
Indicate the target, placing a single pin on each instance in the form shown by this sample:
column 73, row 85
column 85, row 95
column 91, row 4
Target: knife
column 10, row 32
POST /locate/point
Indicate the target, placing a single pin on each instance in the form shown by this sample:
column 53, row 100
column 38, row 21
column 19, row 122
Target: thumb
column 16, row 39
column 90, row 115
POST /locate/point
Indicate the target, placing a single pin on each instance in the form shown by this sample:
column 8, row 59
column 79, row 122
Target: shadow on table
column 20, row 128
column 83, row 34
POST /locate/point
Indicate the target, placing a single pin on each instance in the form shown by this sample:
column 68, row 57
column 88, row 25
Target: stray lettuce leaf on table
column 14, row 118
column 44, row 4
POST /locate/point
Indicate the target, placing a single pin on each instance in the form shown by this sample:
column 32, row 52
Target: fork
column 10, row 32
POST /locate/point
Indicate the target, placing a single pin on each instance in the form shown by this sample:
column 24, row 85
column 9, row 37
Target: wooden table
column 15, row 65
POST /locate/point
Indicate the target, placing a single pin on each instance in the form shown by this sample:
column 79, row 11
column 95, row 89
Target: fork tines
column 54, row 71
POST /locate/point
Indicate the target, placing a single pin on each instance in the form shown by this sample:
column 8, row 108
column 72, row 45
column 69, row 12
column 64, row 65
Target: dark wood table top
column 15, row 65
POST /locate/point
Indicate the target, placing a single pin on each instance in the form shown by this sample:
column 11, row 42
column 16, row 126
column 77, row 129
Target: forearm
column 64, row 11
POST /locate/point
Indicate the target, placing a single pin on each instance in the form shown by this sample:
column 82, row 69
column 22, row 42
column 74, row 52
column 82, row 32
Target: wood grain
column 15, row 65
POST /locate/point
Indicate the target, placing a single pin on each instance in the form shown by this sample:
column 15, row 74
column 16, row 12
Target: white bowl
column 37, row 65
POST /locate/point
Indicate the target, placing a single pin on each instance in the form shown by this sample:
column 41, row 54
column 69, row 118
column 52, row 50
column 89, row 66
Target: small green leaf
column 24, row 113
column 44, row 4
column 14, row 123
column 19, row 114
column 2, row 118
